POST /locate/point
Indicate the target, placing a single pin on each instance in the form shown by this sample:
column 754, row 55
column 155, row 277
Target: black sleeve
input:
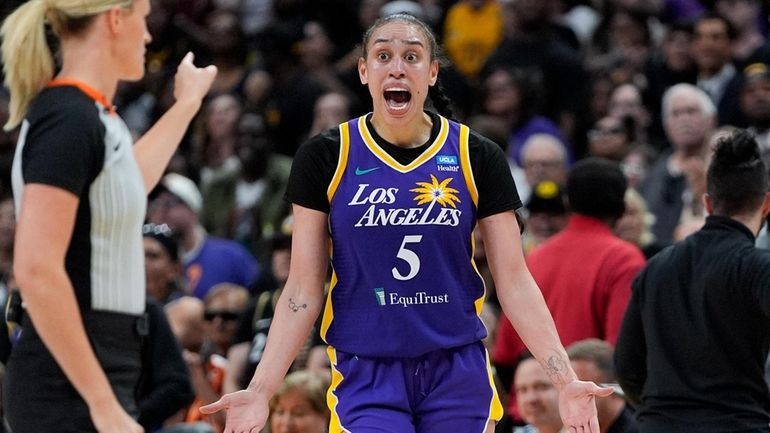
column 631, row 348
column 759, row 277
column 166, row 381
column 312, row 171
column 65, row 143
column 492, row 174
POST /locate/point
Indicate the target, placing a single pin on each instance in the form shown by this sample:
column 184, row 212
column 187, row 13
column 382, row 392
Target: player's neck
column 412, row 134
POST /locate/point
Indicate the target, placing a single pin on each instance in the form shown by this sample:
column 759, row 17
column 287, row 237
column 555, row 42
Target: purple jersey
column 404, row 281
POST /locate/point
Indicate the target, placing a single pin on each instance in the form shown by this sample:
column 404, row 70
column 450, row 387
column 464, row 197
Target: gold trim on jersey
column 465, row 161
column 342, row 162
column 389, row 160
column 328, row 316
column 495, row 406
column 335, row 425
column 478, row 303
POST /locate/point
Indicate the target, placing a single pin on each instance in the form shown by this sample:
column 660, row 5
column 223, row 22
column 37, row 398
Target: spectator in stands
column 161, row 263
column 537, row 399
column 712, row 53
column 247, row 204
column 592, row 360
column 636, row 223
column 755, row 104
column 584, row 271
column 544, row 157
column 689, row 117
column 299, row 405
column 223, row 307
column 206, row 260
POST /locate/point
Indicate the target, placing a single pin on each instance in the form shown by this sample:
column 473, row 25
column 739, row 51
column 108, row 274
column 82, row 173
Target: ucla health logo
column 447, row 163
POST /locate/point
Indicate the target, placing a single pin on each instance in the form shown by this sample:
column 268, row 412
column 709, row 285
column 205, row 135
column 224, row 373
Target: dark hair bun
column 740, row 149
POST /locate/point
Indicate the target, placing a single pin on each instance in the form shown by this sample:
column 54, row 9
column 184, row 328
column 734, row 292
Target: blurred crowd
column 647, row 84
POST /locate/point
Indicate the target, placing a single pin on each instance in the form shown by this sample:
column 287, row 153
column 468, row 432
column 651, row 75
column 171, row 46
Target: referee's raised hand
column 192, row 83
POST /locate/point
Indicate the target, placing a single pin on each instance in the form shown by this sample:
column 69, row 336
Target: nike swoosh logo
column 360, row 172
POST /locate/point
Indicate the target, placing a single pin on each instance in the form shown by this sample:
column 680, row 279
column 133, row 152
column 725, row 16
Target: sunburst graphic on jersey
column 436, row 192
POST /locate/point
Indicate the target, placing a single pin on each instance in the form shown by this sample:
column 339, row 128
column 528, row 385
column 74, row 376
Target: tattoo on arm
column 293, row 306
column 555, row 368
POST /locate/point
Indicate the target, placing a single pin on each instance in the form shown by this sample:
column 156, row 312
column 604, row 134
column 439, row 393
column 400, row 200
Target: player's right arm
column 298, row 307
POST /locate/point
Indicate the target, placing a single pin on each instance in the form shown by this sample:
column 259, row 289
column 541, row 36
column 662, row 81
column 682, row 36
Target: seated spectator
column 689, row 118
column 755, row 104
column 547, row 214
column 315, row 51
column 223, row 306
column 207, row 260
column 161, row 263
column 247, row 204
column 514, row 95
column 635, row 225
column 537, row 399
column 216, row 136
column 636, row 164
column 592, row 360
column 626, row 102
column 750, row 42
column 329, row 111
column 544, row 157
column 299, row 405
column 185, row 316
column 611, row 138
column 165, row 387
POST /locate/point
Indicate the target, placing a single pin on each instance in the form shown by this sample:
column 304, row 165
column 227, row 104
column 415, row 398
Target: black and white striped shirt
column 71, row 140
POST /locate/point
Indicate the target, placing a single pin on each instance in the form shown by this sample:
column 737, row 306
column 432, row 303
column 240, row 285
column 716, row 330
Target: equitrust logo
column 420, row 298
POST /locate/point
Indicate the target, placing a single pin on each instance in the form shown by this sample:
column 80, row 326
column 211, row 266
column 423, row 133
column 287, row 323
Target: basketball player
column 399, row 192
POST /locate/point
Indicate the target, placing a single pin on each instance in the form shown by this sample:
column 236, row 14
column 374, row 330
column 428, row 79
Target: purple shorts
column 448, row 390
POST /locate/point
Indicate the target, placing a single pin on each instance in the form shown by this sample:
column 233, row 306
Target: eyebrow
column 403, row 41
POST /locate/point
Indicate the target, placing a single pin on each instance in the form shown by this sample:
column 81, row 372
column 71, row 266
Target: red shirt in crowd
column 585, row 274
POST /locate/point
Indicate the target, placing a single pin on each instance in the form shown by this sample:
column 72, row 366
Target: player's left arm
column 525, row 307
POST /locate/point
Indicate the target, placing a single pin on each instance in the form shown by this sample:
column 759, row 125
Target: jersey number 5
column 409, row 257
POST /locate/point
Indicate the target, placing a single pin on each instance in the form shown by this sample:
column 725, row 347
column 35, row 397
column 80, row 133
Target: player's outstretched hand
column 191, row 83
column 577, row 406
column 247, row 411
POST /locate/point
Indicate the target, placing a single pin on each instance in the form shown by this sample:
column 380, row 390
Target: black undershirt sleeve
column 497, row 190
column 312, row 170
column 316, row 160
column 65, row 144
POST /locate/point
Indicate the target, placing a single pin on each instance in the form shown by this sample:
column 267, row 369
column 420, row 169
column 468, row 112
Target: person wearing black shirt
column 80, row 188
column 693, row 343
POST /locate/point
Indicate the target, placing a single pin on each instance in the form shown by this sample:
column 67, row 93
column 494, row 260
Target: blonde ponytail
column 27, row 59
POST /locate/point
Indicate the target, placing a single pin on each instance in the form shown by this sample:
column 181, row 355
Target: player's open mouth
column 397, row 99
